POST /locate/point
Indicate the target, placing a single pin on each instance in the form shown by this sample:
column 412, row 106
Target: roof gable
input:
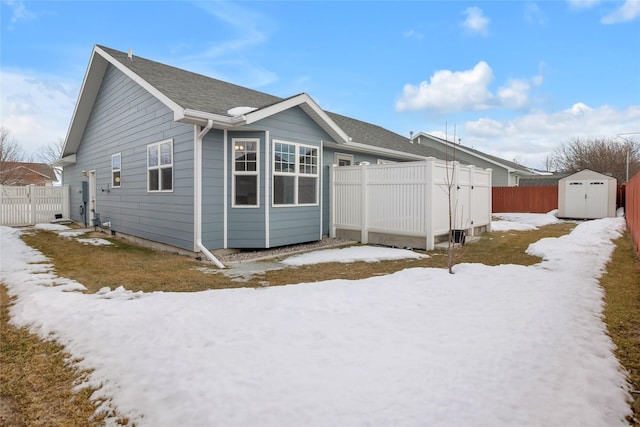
column 192, row 97
column 588, row 174
column 506, row 164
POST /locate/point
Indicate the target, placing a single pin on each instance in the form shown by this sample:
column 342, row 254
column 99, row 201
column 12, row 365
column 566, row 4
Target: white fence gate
column 409, row 201
column 30, row 205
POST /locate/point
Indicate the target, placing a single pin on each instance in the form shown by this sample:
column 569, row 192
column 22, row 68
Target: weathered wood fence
column 541, row 199
column 31, row 204
column 535, row 199
column 407, row 204
column 632, row 209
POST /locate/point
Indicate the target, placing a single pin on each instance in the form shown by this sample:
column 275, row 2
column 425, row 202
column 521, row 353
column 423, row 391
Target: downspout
column 198, row 195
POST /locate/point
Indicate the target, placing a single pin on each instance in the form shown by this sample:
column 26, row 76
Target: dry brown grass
column 37, row 380
column 141, row 269
column 621, row 283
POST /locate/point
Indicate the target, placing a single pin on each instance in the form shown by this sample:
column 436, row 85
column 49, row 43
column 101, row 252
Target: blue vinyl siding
column 125, row 119
column 287, row 224
column 246, row 225
column 213, row 189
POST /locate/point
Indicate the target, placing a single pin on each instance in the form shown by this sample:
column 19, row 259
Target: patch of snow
column 94, row 241
column 51, row 227
column 238, row 111
column 499, row 346
column 351, row 254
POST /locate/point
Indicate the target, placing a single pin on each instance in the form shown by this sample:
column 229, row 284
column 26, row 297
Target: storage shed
column 587, row 195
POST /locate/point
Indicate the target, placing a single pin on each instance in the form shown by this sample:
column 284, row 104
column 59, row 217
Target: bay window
column 295, row 174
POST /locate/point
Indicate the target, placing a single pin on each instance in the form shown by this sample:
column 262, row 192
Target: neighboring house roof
column 542, row 180
column 24, row 173
column 506, row 164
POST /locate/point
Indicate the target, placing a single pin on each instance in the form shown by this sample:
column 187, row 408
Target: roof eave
column 309, row 106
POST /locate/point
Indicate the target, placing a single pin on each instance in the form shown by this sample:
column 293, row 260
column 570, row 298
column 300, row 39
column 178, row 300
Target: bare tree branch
column 10, row 153
column 607, row 156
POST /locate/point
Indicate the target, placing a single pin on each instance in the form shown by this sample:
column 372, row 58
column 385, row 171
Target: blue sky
column 517, row 79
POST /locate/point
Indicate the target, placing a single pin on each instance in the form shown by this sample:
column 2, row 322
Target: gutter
column 198, row 194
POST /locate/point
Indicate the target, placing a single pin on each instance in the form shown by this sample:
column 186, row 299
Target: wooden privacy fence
column 540, row 199
column 30, row 205
column 537, row 199
column 407, row 204
column 632, row 209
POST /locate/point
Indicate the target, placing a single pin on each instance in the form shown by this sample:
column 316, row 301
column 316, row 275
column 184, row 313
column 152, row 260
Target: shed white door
column 575, row 199
column 597, row 199
column 586, row 199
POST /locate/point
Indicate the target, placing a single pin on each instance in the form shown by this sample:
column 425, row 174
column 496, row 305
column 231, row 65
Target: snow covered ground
column 487, row 346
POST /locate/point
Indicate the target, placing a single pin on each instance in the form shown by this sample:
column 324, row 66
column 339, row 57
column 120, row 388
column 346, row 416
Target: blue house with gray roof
column 189, row 161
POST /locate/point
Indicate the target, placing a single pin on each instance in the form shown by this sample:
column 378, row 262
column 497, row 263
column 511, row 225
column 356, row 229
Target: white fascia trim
column 64, row 161
column 188, row 115
column 136, row 78
column 303, row 98
column 366, row 148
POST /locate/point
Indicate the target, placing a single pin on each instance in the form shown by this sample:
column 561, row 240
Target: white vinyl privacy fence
column 407, row 204
column 30, row 205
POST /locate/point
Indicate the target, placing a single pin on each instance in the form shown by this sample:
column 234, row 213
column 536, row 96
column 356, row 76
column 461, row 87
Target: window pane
column 246, row 155
column 246, row 190
column 308, row 160
column 307, row 190
column 165, row 155
column 283, row 190
column 285, row 159
column 167, row 178
column 241, row 166
column 115, row 161
column 116, row 179
column 153, row 155
column 153, row 180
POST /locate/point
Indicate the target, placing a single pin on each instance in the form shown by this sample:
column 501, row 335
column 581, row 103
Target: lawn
column 140, row 269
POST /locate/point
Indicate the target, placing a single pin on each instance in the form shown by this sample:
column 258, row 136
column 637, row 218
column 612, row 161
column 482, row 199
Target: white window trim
column 246, row 173
column 160, row 166
column 113, row 170
column 297, row 174
column 342, row 156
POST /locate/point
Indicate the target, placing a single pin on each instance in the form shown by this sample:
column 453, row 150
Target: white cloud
column 629, row 11
column 465, row 91
column 515, row 95
column 20, row 12
column 583, row 4
column 413, row 35
column 476, row 22
column 36, row 109
column 247, row 30
column 532, row 137
column 450, row 91
column 533, row 14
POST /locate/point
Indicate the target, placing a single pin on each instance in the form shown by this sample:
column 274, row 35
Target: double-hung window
column 160, row 166
column 295, row 174
column 116, row 169
column 245, row 172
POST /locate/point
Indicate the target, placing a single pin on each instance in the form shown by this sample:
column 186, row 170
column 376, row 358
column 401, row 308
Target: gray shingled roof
column 191, row 90
column 201, row 93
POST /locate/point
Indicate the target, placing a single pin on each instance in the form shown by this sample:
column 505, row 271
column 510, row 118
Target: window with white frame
column 160, row 166
column 342, row 159
column 295, row 174
column 116, row 170
column 245, row 172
